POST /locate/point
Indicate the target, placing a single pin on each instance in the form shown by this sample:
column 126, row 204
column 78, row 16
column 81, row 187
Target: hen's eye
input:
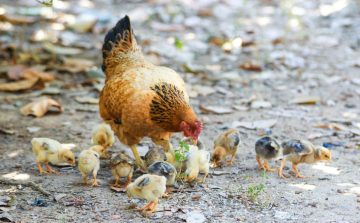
column 189, row 129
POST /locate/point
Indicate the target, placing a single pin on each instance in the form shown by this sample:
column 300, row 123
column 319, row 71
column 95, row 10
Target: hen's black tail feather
column 116, row 34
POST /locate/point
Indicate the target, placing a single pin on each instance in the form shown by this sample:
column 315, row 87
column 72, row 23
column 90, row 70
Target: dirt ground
column 302, row 48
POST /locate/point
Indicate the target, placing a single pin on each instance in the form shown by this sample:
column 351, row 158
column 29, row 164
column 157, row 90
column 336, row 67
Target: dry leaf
column 260, row 104
column 306, row 99
column 240, row 108
column 119, row 189
column 216, row 110
column 15, row 72
column 52, row 48
column 40, row 107
column 34, row 83
column 259, row 124
column 332, row 126
column 250, row 66
column 315, row 135
column 9, row 132
column 19, row 19
column 87, row 100
column 30, row 73
column 76, row 65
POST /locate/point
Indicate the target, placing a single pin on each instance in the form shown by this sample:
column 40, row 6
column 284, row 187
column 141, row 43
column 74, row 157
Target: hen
column 140, row 99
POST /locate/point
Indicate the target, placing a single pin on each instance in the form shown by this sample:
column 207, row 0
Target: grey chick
column 163, row 169
column 154, row 155
column 300, row 151
column 266, row 148
column 200, row 144
column 121, row 165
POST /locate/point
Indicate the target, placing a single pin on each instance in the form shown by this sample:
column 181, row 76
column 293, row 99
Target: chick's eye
column 326, row 156
column 69, row 159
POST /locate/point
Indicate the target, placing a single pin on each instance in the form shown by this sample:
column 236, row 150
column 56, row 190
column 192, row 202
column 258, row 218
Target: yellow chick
column 197, row 161
column 149, row 187
column 121, row 165
column 226, row 143
column 154, row 155
column 89, row 162
column 49, row 150
column 104, row 136
column 266, row 148
column 163, row 169
column 170, row 155
column 300, row 151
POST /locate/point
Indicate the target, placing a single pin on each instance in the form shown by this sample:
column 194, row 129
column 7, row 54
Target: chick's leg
column 116, row 184
column 129, row 180
column 85, row 180
column 267, row 166
column 230, row 162
column 139, row 161
column 154, row 207
column 95, row 184
column 259, row 162
column 41, row 170
column 297, row 172
column 49, row 169
column 281, row 168
column 203, row 179
column 146, row 207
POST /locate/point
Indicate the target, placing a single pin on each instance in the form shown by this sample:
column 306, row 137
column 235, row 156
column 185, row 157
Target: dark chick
column 266, row 148
column 300, row 151
column 154, row 155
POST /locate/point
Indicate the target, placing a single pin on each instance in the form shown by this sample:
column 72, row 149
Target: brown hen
column 140, row 99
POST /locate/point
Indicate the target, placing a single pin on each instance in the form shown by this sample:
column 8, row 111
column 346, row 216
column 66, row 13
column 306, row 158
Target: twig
column 29, row 184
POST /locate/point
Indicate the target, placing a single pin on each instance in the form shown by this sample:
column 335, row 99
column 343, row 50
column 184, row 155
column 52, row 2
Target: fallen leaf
column 19, row 19
column 52, row 48
column 196, row 197
column 84, row 22
column 195, row 217
column 40, row 107
column 230, row 76
column 250, row 66
column 260, row 104
column 5, row 217
column 87, row 100
column 203, row 90
column 216, row 110
column 341, row 191
column 240, row 108
column 76, row 65
column 34, row 83
column 307, row 99
column 58, row 197
column 7, row 209
column 33, row 129
column 218, row 173
column 259, row 124
column 355, row 131
column 115, row 216
column 119, row 189
column 332, row 126
column 298, row 192
column 315, row 135
column 9, row 132
column 31, row 73
column 15, row 72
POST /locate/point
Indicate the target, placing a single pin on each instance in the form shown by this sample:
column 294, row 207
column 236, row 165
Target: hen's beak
column 129, row 197
column 194, row 141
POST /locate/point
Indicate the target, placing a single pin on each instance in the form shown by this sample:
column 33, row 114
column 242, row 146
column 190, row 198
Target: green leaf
column 178, row 43
column 186, row 147
column 49, row 4
column 178, row 157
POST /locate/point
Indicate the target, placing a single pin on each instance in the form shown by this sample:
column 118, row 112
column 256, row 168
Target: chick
column 154, row 155
column 299, row 151
column 48, row 150
column 121, row 165
column 196, row 162
column 104, row 136
column 266, row 148
column 163, row 169
column 225, row 143
column 89, row 161
column 149, row 187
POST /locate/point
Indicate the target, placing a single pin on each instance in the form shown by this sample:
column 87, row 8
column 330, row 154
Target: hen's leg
column 139, row 161
column 41, row 169
column 259, row 162
column 146, row 207
column 49, row 169
column 267, row 166
column 297, row 172
column 281, row 168
column 230, row 162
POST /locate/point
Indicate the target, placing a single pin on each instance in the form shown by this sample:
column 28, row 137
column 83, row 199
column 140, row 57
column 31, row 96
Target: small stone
column 286, row 175
column 115, row 216
column 131, row 206
column 196, row 197
column 298, row 192
column 146, row 214
column 358, row 200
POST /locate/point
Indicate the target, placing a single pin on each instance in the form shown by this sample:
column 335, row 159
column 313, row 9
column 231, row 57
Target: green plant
column 49, row 4
column 255, row 190
column 180, row 156
column 178, row 43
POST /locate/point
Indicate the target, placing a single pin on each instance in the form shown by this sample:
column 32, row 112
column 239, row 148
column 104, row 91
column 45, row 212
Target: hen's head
column 191, row 129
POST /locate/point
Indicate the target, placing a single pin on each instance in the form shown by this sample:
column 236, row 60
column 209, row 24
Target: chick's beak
column 194, row 141
column 129, row 197
column 73, row 163
column 329, row 160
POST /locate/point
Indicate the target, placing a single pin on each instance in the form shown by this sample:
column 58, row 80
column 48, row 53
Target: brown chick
column 148, row 187
column 49, row 150
column 121, row 165
column 300, row 151
column 226, row 143
column 266, row 148
column 197, row 161
column 89, row 162
column 154, row 155
column 103, row 135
